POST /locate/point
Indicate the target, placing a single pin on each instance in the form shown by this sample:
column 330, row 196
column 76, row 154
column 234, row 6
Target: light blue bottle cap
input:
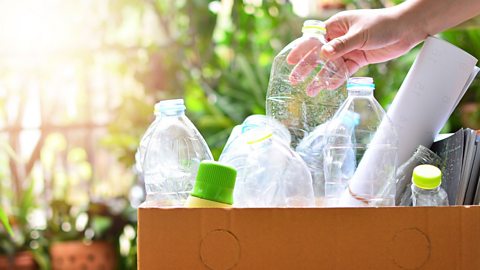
column 169, row 105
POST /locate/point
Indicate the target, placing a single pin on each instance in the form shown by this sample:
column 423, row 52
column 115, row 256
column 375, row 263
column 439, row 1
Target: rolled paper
column 434, row 85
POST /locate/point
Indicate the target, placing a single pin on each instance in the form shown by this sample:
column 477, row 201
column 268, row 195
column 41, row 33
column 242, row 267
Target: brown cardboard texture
column 310, row 238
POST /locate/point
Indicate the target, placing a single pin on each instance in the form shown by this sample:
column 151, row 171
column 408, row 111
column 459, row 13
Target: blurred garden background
column 78, row 81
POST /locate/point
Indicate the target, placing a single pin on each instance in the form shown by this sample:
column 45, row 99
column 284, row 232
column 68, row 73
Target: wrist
column 410, row 21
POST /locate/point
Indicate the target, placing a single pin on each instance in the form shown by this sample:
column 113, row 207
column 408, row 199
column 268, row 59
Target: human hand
column 357, row 38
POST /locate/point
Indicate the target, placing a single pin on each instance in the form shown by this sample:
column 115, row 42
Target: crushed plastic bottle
column 294, row 95
column 311, row 149
column 269, row 172
column 369, row 178
column 169, row 155
column 426, row 189
column 259, row 121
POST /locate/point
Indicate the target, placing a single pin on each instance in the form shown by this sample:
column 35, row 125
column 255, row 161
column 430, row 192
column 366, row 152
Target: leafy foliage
column 5, row 223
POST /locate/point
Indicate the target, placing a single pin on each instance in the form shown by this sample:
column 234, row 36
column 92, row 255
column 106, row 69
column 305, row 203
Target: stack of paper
column 461, row 166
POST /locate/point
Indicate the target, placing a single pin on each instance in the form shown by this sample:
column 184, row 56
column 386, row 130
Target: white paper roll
column 430, row 92
column 436, row 82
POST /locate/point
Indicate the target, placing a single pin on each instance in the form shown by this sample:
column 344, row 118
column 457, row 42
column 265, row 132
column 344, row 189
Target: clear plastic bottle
column 169, row 155
column 311, row 149
column 426, row 189
column 289, row 97
column 368, row 179
column 269, row 172
column 403, row 177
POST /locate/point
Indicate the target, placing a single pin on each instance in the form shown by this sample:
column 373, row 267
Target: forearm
column 434, row 16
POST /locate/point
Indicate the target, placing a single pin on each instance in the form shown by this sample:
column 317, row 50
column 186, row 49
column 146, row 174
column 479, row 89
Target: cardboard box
column 310, row 238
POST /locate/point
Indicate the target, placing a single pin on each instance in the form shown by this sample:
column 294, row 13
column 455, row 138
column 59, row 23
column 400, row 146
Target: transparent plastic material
column 296, row 78
column 429, row 197
column 403, row 177
column 259, row 121
column 311, row 149
column 269, row 172
column 360, row 151
column 169, row 155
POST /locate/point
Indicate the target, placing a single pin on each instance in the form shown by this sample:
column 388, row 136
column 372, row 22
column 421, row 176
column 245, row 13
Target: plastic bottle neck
column 360, row 91
column 426, row 191
column 170, row 113
column 360, row 86
column 313, row 33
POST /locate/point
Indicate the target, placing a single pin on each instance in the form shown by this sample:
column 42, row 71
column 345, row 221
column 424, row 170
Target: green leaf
column 100, row 224
column 5, row 223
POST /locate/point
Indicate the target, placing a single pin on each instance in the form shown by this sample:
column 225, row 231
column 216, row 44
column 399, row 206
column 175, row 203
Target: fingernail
column 293, row 78
column 313, row 90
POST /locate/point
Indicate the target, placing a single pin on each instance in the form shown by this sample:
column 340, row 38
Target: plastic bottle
column 213, row 187
column 269, row 172
column 426, row 189
column 289, row 99
column 403, row 177
column 311, row 149
column 169, row 155
column 368, row 179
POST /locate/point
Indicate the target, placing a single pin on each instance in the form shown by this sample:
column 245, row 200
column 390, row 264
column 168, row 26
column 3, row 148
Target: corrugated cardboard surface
column 310, row 238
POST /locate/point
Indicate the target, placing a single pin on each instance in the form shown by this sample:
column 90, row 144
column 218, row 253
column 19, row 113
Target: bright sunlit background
column 78, row 80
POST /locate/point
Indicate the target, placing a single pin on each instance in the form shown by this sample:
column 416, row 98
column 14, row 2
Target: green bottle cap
column 215, row 182
column 427, row 176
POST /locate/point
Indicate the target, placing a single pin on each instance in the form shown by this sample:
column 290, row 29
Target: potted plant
column 21, row 246
column 88, row 239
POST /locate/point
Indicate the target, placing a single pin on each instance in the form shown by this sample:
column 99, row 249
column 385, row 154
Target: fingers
column 336, row 72
column 330, row 77
column 297, row 53
column 355, row 60
column 305, row 66
column 342, row 45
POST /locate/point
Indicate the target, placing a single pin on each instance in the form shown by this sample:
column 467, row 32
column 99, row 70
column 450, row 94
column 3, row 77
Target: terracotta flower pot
column 79, row 255
column 20, row 261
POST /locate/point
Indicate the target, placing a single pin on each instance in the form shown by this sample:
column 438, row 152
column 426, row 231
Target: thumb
column 342, row 45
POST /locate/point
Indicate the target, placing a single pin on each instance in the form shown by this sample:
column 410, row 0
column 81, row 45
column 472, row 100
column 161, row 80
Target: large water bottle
column 311, row 149
column 297, row 77
column 169, row 155
column 426, row 189
column 269, row 172
column 369, row 178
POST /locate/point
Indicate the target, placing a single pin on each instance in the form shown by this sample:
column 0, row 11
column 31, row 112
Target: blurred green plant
column 216, row 55
column 6, row 224
column 22, row 236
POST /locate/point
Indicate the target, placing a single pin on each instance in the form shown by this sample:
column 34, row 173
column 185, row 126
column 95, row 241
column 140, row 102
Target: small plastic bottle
column 213, row 187
column 426, row 189
column 169, row 155
column 403, row 177
column 366, row 179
